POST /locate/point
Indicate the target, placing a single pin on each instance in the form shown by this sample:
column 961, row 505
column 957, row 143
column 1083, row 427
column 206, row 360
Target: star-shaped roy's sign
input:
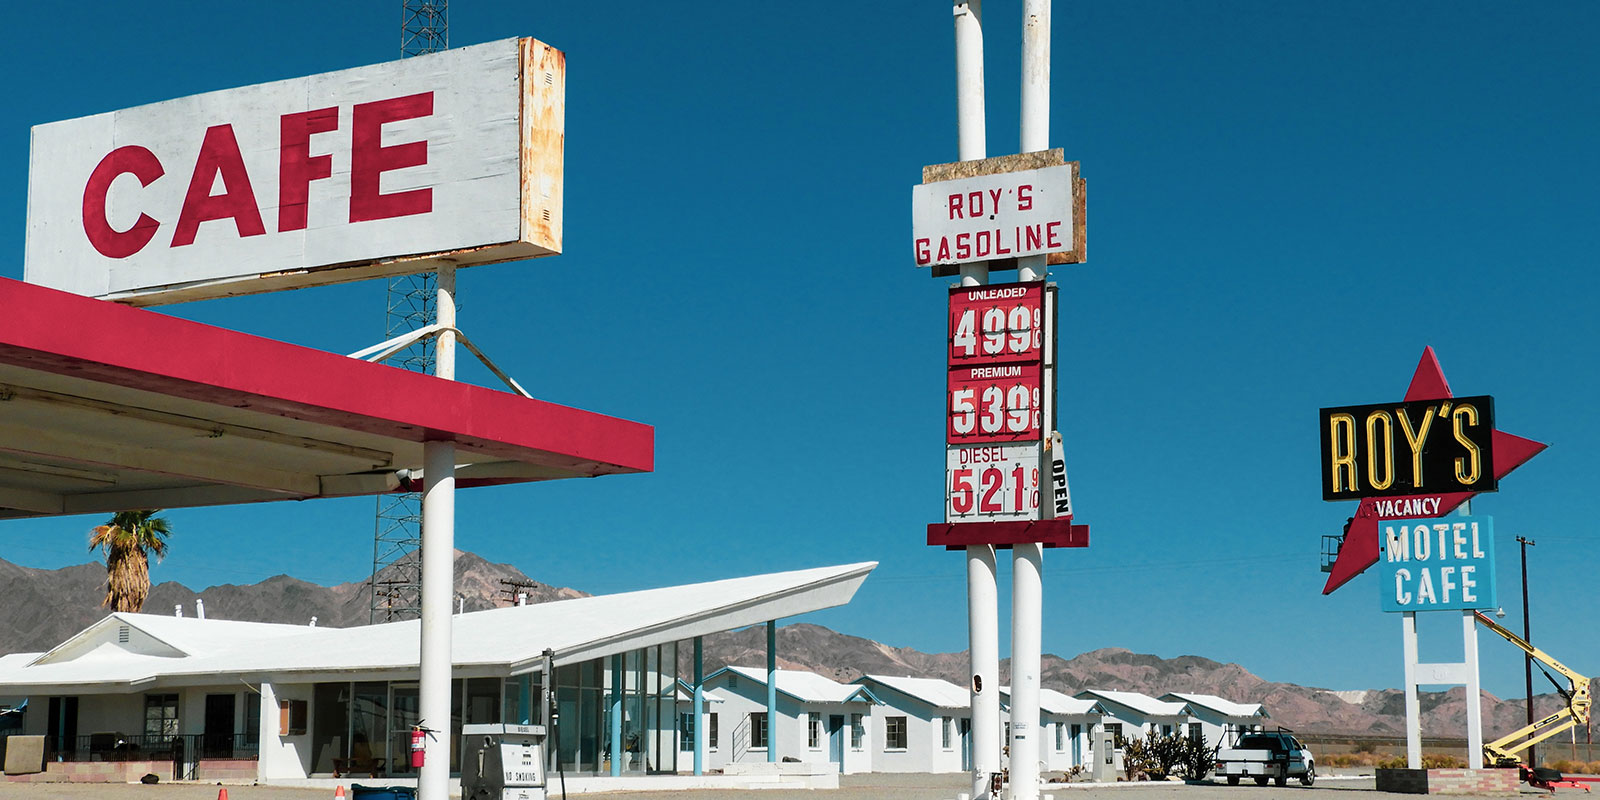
column 1360, row 548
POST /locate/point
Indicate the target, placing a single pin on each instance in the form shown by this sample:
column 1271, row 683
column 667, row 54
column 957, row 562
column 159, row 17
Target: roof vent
column 122, row 634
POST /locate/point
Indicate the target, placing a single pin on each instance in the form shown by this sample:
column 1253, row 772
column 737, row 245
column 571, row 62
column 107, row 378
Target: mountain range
column 41, row 608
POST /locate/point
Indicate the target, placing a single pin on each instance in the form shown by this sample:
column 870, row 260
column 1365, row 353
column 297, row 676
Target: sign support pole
column 1469, row 646
column 1408, row 643
column 1027, row 560
column 983, row 606
column 438, row 568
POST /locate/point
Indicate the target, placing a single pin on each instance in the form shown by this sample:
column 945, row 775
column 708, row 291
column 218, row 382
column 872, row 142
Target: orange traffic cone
column 222, row 794
column 338, row 794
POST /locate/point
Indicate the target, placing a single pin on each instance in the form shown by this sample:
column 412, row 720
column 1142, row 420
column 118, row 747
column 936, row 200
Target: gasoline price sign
column 999, row 324
column 996, row 364
column 988, row 483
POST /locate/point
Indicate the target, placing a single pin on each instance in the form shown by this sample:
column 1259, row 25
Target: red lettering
column 994, row 197
column 369, row 159
column 1051, row 231
column 982, row 248
column 999, row 244
column 1035, row 237
column 112, row 243
column 963, row 246
column 219, row 155
column 955, row 207
column 922, row 251
column 944, row 248
column 975, row 204
column 1025, row 197
column 297, row 168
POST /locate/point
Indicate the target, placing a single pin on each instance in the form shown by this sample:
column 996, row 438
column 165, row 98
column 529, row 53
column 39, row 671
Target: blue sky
column 1287, row 202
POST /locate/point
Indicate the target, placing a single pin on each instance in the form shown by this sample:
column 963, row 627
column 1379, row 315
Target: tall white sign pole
column 1027, row 560
column 983, row 604
column 438, row 568
column 1408, row 646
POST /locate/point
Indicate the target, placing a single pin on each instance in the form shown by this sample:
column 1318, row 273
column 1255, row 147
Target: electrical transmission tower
column 396, row 583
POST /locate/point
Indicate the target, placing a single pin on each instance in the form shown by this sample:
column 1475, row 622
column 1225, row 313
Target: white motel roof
column 807, row 687
column 935, row 692
column 133, row 652
column 1054, row 702
column 1227, row 708
column 1141, row 703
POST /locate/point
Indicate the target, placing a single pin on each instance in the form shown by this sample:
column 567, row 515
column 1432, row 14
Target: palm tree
column 128, row 540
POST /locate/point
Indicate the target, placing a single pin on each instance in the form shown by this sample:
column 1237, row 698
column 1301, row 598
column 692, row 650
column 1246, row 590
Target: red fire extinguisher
column 417, row 734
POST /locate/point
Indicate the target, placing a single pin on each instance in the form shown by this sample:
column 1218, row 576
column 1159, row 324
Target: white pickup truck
column 1264, row 756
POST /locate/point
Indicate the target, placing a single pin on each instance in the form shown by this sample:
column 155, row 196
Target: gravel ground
column 852, row 787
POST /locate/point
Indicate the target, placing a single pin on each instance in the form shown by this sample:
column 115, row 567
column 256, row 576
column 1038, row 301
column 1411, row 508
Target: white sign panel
column 379, row 170
column 1011, row 214
column 992, row 482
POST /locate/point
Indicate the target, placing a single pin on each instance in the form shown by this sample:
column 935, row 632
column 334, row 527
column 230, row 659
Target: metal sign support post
column 438, row 568
column 1027, row 560
column 983, row 605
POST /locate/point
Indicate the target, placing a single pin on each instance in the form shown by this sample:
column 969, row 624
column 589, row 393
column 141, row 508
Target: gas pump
column 502, row 762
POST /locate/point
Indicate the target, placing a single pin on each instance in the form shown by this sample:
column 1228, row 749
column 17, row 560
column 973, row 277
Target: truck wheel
column 1310, row 777
column 1281, row 779
column 1261, row 780
column 1233, row 780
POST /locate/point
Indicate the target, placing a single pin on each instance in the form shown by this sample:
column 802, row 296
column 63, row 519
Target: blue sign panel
column 1437, row 564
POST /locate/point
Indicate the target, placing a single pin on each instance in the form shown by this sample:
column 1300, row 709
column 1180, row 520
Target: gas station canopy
column 105, row 408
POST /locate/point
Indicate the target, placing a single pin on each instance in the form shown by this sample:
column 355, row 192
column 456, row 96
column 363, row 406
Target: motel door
column 836, row 740
column 966, row 744
column 405, row 710
column 218, row 739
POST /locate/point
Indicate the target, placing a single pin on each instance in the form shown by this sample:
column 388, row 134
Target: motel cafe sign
column 1437, row 564
column 361, row 173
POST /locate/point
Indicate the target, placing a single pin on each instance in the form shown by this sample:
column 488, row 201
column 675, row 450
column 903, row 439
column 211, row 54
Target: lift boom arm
column 1503, row 751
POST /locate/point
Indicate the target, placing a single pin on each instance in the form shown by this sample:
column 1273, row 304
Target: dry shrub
column 1360, row 758
column 1569, row 767
column 1442, row 761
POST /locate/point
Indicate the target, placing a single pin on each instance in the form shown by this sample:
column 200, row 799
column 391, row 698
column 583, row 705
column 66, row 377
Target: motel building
column 923, row 726
column 189, row 698
column 1219, row 720
column 819, row 721
column 1066, row 724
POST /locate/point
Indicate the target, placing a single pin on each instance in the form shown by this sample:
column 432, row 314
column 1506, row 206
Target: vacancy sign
column 1437, row 564
column 383, row 170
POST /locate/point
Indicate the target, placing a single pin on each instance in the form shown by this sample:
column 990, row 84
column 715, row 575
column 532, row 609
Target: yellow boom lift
column 1503, row 751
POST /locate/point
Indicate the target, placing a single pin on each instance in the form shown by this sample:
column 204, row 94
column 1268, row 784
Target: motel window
column 1115, row 729
column 814, row 730
column 858, row 731
column 1061, row 743
column 1195, row 734
column 712, row 738
column 946, row 732
column 1166, row 730
column 686, row 732
column 758, row 730
column 160, row 715
column 894, row 733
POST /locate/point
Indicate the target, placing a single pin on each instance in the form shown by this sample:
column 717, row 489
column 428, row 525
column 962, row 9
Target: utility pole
column 1527, row 636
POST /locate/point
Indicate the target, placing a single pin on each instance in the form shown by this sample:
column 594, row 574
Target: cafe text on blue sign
column 1437, row 564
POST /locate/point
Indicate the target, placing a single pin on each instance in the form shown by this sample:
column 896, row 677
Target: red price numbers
column 1005, row 410
column 996, row 332
column 994, row 489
